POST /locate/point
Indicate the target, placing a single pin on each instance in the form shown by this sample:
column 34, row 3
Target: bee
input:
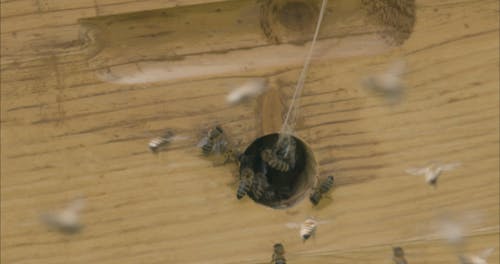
column 212, row 142
column 279, row 254
column 259, row 185
column 323, row 188
column 246, row 179
column 398, row 255
column 432, row 171
column 66, row 220
column 308, row 228
column 274, row 161
column 159, row 142
column 389, row 83
column 250, row 89
column 476, row 259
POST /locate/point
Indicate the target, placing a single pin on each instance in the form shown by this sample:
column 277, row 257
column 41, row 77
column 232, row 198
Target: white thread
column 287, row 127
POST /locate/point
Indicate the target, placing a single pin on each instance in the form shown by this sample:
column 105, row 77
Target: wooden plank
column 66, row 133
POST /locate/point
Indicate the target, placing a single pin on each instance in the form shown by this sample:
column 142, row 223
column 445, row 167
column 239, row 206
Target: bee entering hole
column 282, row 176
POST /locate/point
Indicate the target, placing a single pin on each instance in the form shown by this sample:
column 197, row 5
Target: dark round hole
column 297, row 16
column 282, row 189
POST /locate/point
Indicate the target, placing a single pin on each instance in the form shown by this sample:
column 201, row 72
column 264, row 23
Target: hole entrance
column 298, row 16
column 277, row 189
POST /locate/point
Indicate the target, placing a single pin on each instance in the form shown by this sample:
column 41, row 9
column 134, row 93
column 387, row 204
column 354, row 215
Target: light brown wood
column 65, row 133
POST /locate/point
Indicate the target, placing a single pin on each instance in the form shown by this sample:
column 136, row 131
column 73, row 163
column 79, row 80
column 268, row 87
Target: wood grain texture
column 65, row 133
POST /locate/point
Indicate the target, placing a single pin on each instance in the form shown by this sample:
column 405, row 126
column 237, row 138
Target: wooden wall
column 65, row 133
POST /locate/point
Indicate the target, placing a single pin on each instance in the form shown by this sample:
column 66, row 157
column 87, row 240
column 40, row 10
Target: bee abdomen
column 315, row 197
column 207, row 148
column 308, row 228
column 280, row 260
column 243, row 188
column 274, row 162
column 327, row 185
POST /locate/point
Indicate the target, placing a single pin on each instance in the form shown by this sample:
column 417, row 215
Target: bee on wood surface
column 157, row 143
column 274, row 161
column 66, row 220
column 278, row 254
column 323, row 188
column 398, row 256
column 246, row 180
column 432, row 171
column 213, row 141
column 476, row 259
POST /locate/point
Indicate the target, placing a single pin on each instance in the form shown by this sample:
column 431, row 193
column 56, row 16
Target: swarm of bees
column 66, row 220
column 398, row 255
column 432, row 171
column 320, row 189
column 278, row 254
column 158, row 143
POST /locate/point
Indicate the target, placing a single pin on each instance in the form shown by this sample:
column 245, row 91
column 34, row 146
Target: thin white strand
column 288, row 128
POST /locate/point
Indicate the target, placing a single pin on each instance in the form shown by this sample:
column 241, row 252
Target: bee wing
column 486, row 253
column 449, row 166
column 219, row 146
column 203, row 141
column 417, row 171
column 397, row 68
column 76, row 205
column 292, row 225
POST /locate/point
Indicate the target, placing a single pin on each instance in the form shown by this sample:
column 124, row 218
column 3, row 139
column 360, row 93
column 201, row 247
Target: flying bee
column 158, row 143
column 246, row 179
column 66, row 220
column 432, row 171
column 476, row 259
column 274, row 161
column 250, row 89
column 279, row 254
column 323, row 188
column 389, row 83
column 398, row 255
column 308, row 228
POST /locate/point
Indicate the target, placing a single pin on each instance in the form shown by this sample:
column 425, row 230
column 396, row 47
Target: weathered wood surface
column 66, row 133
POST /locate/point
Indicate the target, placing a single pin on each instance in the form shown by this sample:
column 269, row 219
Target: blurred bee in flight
column 158, row 143
column 308, row 228
column 320, row 190
column 278, row 254
column 476, row 259
column 66, row 220
column 398, row 256
column 432, row 171
column 389, row 84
